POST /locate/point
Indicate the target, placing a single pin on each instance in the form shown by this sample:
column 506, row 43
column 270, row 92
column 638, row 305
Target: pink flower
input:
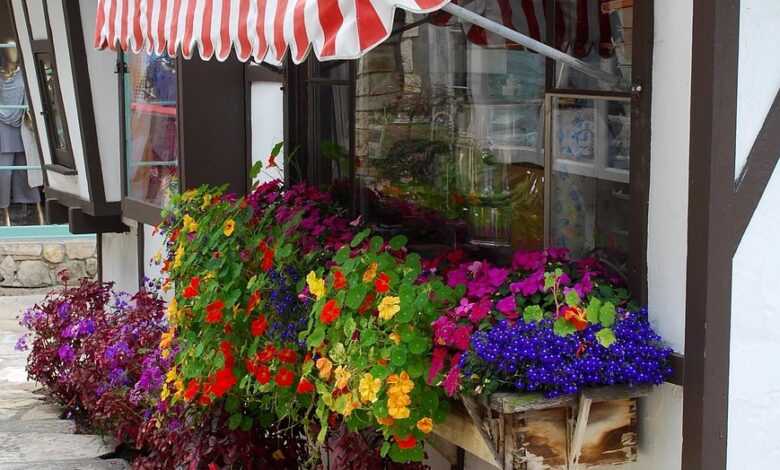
column 437, row 363
column 529, row 285
column 508, row 306
column 461, row 337
column 558, row 254
column 480, row 310
column 529, row 260
column 585, row 286
column 464, row 308
column 452, row 381
column 457, row 277
column 497, row 276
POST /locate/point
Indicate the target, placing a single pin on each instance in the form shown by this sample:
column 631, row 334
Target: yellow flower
column 425, row 425
column 342, row 377
column 369, row 387
column 370, row 273
column 165, row 393
column 179, row 256
column 316, row 285
column 188, row 195
column 402, row 383
column 397, row 406
column 206, row 201
column 173, row 310
column 165, row 353
column 157, row 258
column 189, row 224
column 349, row 407
column 395, row 337
column 324, row 366
column 386, row 421
column 388, row 307
column 230, row 225
column 171, row 375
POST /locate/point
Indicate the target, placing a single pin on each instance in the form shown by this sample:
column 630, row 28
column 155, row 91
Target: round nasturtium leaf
column 398, row 356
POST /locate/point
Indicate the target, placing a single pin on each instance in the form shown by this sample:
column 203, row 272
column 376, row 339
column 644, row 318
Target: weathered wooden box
column 529, row 432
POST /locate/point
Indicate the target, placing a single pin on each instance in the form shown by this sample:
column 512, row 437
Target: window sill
column 63, row 170
column 141, row 211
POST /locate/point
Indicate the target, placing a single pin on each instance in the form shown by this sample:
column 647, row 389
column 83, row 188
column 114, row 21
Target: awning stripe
column 261, row 29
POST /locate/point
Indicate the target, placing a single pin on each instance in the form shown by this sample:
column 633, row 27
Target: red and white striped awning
column 260, row 29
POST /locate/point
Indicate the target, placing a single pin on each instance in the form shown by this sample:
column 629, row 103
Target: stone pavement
column 33, row 435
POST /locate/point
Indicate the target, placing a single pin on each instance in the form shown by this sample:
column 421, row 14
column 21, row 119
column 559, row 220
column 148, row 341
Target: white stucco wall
column 267, row 127
column 120, row 259
column 754, row 382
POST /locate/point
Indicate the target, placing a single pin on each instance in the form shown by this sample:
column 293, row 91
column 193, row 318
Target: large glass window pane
column 151, row 127
column 598, row 33
column 55, row 116
column 449, row 136
column 590, row 198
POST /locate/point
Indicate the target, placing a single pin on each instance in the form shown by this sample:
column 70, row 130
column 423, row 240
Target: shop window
column 151, row 135
column 21, row 178
column 457, row 137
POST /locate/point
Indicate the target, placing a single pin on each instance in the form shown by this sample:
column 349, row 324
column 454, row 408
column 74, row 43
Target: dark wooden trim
column 711, row 237
column 56, row 213
column 678, row 370
column 99, row 255
column 140, row 248
column 141, row 211
column 758, row 170
column 641, row 119
column 84, row 106
column 71, row 200
column 79, row 222
column 263, row 73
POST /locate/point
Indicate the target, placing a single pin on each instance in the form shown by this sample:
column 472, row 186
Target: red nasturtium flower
column 214, row 311
column 382, row 283
column 368, row 302
column 268, row 256
column 304, row 386
column 259, row 325
column 262, row 374
column 224, row 380
column 575, row 316
column 252, row 303
column 227, row 352
column 267, row 353
column 284, row 377
column 330, row 312
column 408, row 442
column 339, row 280
column 288, row 355
column 191, row 390
column 193, row 289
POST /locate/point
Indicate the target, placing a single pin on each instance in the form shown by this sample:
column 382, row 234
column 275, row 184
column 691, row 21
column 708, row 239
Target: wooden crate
column 529, row 432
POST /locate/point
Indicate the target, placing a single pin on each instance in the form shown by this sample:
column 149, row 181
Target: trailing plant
column 370, row 336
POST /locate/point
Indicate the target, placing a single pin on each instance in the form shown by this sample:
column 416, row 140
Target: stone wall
column 38, row 263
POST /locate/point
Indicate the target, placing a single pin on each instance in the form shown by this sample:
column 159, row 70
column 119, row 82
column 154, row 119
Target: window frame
column 298, row 123
column 63, row 160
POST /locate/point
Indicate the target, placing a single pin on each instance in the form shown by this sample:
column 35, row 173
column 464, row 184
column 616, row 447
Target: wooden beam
column 79, row 222
column 760, row 165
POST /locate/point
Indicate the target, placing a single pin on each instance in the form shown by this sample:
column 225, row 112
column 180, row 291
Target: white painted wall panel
column 759, row 71
column 754, row 377
column 120, row 259
column 65, row 76
column 105, row 101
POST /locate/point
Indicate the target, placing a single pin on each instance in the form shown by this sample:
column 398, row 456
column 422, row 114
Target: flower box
column 528, row 432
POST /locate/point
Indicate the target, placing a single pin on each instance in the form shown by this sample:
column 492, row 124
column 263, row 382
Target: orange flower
column 252, row 303
column 214, row 311
column 425, row 425
column 382, row 283
column 339, row 280
column 386, row 421
column 325, row 366
column 370, row 273
column 576, row 316
column 330, row 312
column 408, row 442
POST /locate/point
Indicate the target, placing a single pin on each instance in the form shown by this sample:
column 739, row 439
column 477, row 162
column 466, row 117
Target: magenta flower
column 530, row 285
column 529, row 260
column 437, row 363
column 508, row 306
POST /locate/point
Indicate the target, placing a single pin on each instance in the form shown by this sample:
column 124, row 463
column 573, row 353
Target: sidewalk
column 32, row 434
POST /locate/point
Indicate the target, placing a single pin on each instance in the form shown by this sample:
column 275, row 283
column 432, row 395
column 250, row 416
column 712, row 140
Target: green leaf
column 338, row 353
column 572, row 298
column 376, row 243
column 606, row 337
column 593, row 310
column 418, row 345
column 355, row 296
column 533, row 314
column 561, row 327
column 607, row 314
column 277, row 148
column 398, row 242
column 360, row 237
column 380, row 372
column 416, row 369
column 349, row 327
column 246, row 423
column 398, row 356
column 235, row 421
column 256, row 169
column 316, row 337
column 549, row 281
column 231, row 405
column 368, row 337
column 342, row 255
column 385, row 449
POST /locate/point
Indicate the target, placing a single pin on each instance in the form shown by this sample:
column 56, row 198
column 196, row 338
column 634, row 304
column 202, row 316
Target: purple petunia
column 66, row 353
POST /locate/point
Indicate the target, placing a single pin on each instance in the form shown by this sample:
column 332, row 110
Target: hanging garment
column 12, row 102
column 13, row 184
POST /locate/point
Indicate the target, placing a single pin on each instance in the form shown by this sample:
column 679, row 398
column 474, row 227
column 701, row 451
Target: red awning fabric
column 260, row 29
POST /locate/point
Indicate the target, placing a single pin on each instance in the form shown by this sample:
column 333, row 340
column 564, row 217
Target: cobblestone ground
column 33, row 434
